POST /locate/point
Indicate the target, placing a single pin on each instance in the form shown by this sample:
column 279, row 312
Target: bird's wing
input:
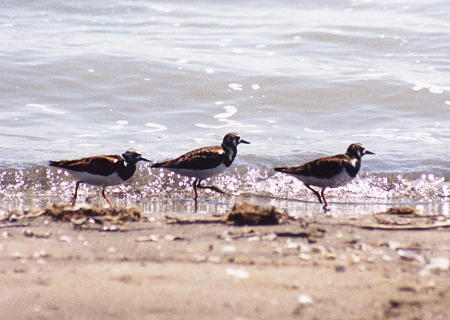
column 200, row 159
column 323, row 167
column 102, row 165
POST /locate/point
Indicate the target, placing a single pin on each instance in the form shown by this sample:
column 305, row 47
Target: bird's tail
column 54, row 163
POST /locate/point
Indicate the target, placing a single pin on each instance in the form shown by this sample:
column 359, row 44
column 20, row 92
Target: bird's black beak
column 368, row 152
column 243, row 141
column 143, row 159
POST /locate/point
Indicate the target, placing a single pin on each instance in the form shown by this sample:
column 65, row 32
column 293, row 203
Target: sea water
column 298, row 79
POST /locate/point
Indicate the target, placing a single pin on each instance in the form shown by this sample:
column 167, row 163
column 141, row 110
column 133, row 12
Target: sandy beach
column 297, row 80
column 353, row 267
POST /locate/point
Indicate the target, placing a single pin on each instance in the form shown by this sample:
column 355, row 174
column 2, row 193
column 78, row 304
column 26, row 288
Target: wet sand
column 316, row 268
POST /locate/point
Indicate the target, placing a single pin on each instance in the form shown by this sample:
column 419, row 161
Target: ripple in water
column 159, row 191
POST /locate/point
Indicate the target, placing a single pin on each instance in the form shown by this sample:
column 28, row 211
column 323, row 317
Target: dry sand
column 317, row 268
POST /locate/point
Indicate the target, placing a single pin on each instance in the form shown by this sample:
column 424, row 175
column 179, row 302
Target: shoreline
column 319, row 267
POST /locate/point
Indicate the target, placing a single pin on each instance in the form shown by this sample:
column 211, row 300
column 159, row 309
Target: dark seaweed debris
column 241, row 214
column 78, row 215
column 246, row 213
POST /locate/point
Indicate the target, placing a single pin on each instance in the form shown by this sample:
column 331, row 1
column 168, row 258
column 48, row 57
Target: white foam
column 436, row 90
column 309, row 130
column 229, row 123
column 155, row 127
column 44, row 108
column 230, row 110
column 161, row 9
column 235, row 86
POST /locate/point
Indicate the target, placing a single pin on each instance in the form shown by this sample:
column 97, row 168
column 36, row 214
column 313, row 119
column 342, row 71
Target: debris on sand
column 79, row 215
column 312, row 234
column 203, row 220
column 402, row 211
column 436, row 264
column 243, row 213
column 399, row 308
column 304, row 298
column 150, row 238
column 407, row 218
column 18, row 215
column 246, row 213
column 238, row 273
column 398, row 218
column 30, row 233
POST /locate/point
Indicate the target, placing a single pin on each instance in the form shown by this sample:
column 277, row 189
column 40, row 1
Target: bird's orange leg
column 324, row 200
column 315, row 192
column 74, row 198
column 106, row 198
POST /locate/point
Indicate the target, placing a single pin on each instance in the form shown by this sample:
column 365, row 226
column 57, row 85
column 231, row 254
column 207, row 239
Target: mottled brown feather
column 101, row 165
column 199, row 159
column 321, row 168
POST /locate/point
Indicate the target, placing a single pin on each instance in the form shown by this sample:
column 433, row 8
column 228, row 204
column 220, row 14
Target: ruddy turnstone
column 101, row 170
column 329, row 172
column 205, row 162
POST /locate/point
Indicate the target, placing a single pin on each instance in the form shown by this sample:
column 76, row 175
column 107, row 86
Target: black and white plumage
column 102, row 171
column 205, row 162
column 329, row 172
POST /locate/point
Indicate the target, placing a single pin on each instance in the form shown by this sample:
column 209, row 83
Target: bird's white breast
column 201, row 174
column 338, row 180
column 97, row 179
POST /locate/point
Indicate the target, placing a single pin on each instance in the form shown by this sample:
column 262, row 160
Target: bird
column 329, row 172
column 205, row 162
column 105, row 170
